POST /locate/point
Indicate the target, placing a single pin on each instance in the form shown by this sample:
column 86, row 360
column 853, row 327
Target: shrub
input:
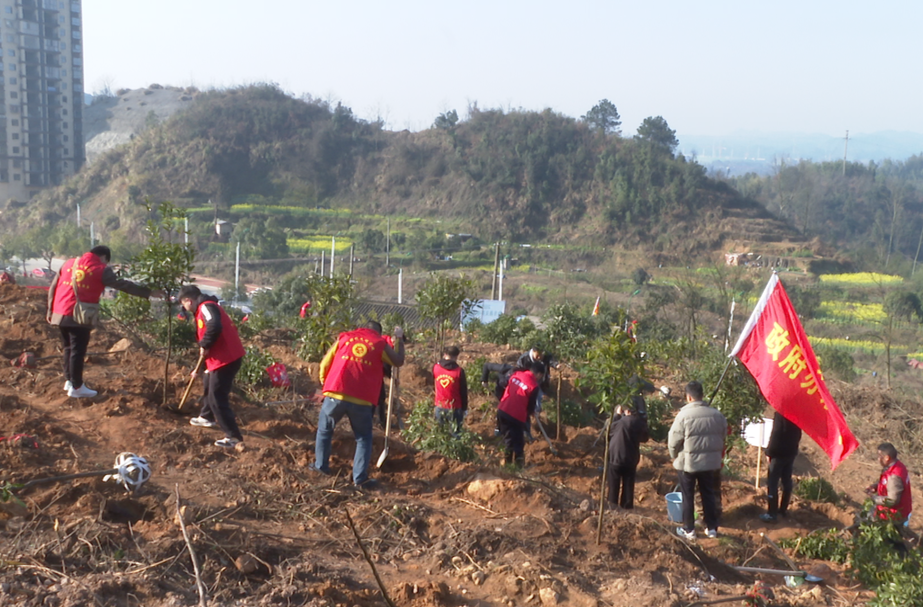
column 253, row 368
column 816, row 489
column 659, row 411
column 823, row 544
column 572, row 413
column 423, row 431
column 836, row 362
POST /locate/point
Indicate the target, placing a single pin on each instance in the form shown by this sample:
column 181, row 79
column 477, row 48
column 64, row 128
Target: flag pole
column 759, row 454
column 721, row 379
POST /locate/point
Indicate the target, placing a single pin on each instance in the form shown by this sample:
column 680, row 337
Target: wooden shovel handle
column 198, row 367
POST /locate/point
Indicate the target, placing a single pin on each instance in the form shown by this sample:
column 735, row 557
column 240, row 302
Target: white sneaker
column 202, row 422
column 68, row 386
column 686, row 535
column 227, row 443
column 712, row 533
column 82, row 392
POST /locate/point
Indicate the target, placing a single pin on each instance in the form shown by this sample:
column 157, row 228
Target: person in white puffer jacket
column 696, row 443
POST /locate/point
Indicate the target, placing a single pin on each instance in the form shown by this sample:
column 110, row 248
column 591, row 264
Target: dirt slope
column 267, row 531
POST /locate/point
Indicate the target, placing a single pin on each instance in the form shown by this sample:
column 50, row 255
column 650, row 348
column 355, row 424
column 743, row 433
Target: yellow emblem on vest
column 360, row 350
column 201, row 323
column 79, row 275
column 445, row 381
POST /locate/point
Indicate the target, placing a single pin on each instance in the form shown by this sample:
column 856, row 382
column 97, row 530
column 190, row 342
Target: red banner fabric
column 775, row 350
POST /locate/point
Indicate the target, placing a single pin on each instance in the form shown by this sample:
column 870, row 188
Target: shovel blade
column 383, row 457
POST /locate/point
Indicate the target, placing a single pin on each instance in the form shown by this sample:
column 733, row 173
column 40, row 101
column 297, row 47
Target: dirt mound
column 268, row 531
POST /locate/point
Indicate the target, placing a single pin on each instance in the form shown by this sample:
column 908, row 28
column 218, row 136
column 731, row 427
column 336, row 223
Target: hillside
column 442, row 532
column 517, row 175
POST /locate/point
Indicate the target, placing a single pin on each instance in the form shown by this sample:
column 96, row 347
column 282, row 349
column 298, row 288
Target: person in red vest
column 892, row 493
column 91, row 274
column 519, row 402
column 451, row 390
column 351, row 374
column 220, row 346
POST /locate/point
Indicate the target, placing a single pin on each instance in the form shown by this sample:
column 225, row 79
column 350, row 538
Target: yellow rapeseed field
column 862, row 279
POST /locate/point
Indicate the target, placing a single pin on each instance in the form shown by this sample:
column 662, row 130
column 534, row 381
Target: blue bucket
column 675, row 507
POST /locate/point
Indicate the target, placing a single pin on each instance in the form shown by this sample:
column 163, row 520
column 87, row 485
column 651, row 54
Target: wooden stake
column 195, row 563
column 602, row 491
column 558, row 401
column 368, row 559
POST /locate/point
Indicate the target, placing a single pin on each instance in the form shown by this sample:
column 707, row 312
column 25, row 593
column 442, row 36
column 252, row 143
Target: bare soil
column 267, row 531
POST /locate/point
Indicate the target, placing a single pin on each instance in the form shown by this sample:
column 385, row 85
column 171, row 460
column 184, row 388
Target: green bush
column 659, row 418
column 816, row 489
column 836, row 362
column 252, row 372
column 823, row 544
column 572, row 413
column 423, row 431
column 473, row 375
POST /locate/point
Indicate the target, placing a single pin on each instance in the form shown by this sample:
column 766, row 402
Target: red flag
column 596, row 308
column 775, row 349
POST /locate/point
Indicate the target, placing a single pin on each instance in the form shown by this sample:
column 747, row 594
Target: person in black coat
column 629, row 429
column 782, row 450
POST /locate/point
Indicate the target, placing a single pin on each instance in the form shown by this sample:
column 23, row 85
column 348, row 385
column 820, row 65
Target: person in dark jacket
column 85, row 277
column 451, row 386
column 782, row 450
column 516, row 406
column 223, row 353
column 629, row 429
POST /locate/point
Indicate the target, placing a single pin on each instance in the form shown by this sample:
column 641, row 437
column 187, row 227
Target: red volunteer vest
column 515, row 399
column 357, row 369
column 89, row 277
column 448, row 388
column 903, row 508
column 227, row 348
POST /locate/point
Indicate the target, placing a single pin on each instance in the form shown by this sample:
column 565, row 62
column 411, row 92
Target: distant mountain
column 757, row 152
column 537, row 176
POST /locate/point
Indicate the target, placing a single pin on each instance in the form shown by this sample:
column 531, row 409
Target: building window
column 14, row 109
column 63, row 86
column 66, row 138
column 15, row 150
column 10, row 38
column 75, row 34
column 11, row 52
column 17, row 163
column 63, row 46
column 64, row 71
column 16, row 177
column 8, row 10
column 12, row 67
column 65, row 125
column 16, row 136
column 64, row 112
column 13, row 80
column 14, row 95
column 61, row 19
column 15, row 122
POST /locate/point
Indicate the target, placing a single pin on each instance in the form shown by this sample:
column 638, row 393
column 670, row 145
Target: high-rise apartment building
column 41, row 85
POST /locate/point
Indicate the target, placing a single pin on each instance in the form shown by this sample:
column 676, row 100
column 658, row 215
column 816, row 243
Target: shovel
column 198, row 367
column 813, row 579
column 384, row 453
column 545, row 434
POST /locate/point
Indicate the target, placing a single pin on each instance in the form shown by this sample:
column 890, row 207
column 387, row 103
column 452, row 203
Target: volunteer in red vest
column 351, row 374
column 220, row 346
column 86, row 276
column 451, row 390
column 892, row 493
column 517, row 404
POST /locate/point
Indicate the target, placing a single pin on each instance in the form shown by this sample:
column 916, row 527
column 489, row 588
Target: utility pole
column 323, row 262
column 388, row 246
column 78, row 214
column 186, row 231
column 845, row 149
column 352, row 256
column 493, row 281
column 237, row 273
column 400, row 285
column 333, row 253
column 500, row 284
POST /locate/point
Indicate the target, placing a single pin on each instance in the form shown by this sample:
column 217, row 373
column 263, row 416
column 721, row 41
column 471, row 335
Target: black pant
column 75, row 341
column 780, row 470
column 706, row 481
column 513, row 432
column 622, row 480
column 217, row 397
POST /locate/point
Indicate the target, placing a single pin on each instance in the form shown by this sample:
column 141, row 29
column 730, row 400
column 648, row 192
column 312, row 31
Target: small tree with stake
column 164, row 265
column 442, row 298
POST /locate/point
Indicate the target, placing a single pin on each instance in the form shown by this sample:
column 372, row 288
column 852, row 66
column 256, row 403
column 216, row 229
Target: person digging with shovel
column 351, row 373
column 73, row 307
column 220, row 347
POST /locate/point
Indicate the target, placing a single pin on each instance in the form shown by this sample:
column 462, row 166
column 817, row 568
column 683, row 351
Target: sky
column 710, row 67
